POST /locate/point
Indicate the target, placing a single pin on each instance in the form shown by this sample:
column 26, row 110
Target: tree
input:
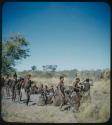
column 34, row 68
column 53, row 68
column 14, row 49
column 44, row 68
column 50, row 68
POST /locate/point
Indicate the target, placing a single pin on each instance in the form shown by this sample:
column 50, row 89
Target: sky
column 72, row 35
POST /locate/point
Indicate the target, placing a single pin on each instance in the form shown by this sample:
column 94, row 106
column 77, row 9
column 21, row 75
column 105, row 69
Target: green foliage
column 92, row 74
column 13, row 50
column 34, row 68
column 50, row 68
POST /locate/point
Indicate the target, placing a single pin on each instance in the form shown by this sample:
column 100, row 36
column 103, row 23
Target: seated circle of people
column 58, row 96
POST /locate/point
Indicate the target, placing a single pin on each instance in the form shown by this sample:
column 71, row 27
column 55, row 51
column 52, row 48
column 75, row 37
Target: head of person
column 15, row 76
column 29, row 76
column 34, row 84
column 41, row 85
column 87, row 80
column 46, row 86
column 51, row 86
column 77, row 80
column 61, row 79
column 7, row 76
column 22, row 79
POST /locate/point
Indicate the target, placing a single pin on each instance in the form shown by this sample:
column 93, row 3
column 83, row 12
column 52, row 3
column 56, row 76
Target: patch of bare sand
column 97, row 111
column 15, row 112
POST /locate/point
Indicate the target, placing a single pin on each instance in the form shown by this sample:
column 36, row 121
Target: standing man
column 13, row 87
column 28, row 88
column 18, row 89
column 77, row 89
column 77, row 85
column 2, row 86
column 22, row 83
column 61, row 89
column 6, row 84
column 86, row 90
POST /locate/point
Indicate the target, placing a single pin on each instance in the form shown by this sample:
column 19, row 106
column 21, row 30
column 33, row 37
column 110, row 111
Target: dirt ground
column 19, row 112
column 97, row 111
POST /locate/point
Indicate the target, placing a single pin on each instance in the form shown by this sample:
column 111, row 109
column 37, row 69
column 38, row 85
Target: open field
column 98, row 110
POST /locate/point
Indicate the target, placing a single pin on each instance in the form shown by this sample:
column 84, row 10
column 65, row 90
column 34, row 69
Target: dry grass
column 99, row 108
column 50, row 81
column 97, row 111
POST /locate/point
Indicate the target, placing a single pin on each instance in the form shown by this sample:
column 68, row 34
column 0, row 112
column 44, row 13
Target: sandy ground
column 97, row 111
column 19, row 112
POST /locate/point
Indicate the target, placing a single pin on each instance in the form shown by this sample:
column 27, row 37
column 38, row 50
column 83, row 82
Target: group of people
column 14, row 86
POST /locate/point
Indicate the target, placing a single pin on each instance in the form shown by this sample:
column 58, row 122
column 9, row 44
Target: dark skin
column 75, row 85
column 52, row 89
column 41, row 86
column 62, row 94
column 61, row 83
column 14, row 93
column 28, row 90
column 45, row 91
column 28, row 77
column 2, row 80
column 77, row 89
column 7, row 86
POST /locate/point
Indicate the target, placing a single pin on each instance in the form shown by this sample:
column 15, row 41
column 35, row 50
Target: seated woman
column 34, row 89
column 51, row 91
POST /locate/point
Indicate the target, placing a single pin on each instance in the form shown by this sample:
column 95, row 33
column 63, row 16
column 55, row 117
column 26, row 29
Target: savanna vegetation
column 14, row 49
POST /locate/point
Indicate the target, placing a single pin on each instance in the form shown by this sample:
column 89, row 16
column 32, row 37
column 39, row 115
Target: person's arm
column 16, row 84
column 62, row 94
column 91, row 82
column 31, row 83
column 83, row 81
column 73, row 83
column 62, row 91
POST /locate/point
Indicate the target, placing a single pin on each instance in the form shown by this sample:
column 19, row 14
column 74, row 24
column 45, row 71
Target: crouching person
column 75, row 102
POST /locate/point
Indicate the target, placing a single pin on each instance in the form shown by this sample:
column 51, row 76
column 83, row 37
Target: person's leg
column 20, row 95
column 6, row 91
column 2, row 92
column 28, row 98
column 12, row 95
column 62, row 102
column 15, row 95
column 46, row 99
